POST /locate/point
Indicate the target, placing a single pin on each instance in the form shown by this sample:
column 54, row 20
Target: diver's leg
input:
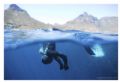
column 57, row 58
column 55, row 55
column 89, row 50
column 64, row 58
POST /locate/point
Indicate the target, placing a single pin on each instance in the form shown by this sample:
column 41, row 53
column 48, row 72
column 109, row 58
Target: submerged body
column 49, row 53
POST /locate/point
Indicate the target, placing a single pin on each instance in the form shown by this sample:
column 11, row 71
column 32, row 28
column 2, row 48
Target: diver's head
column 46, row 59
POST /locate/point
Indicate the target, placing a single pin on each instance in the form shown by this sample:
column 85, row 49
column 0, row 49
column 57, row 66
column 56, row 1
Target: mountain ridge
column 19, row 18
column 86, row 22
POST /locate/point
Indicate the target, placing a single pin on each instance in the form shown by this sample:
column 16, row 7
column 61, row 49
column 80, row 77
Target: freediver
column 49, row 53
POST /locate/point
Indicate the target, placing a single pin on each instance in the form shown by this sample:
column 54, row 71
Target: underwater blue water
column 22, row 60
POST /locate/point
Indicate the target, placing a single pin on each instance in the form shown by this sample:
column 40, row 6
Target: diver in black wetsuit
column 50, row 53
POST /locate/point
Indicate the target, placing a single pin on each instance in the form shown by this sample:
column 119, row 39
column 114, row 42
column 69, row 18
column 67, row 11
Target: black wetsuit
column 60, row 58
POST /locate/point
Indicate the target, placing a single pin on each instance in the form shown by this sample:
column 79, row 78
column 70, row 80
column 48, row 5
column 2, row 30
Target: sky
column 61, row 13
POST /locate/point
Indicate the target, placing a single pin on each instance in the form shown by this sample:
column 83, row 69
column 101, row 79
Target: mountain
column 84, row 22
column 89, row 23
column 19, row 18
column 109, row 24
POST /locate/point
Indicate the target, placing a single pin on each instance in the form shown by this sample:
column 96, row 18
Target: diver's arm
column 52, row 51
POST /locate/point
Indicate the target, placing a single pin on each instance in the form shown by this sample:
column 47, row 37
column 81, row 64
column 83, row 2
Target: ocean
column 91, row 56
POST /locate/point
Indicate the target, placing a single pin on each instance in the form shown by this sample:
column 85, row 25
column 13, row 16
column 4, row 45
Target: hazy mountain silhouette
column 19, row 18
column 86, row 22
column 108, row 24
